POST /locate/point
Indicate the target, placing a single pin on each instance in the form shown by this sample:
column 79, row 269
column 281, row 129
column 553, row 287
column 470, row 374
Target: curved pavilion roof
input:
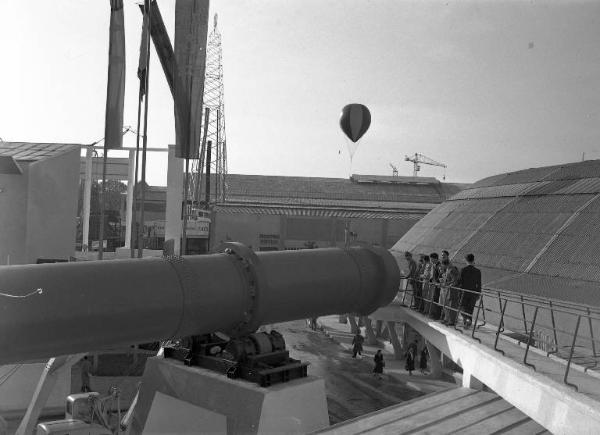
column 535, row 231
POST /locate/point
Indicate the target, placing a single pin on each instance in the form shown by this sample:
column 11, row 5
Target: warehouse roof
column 380, row 189
column 533, row 231
column 34, row 151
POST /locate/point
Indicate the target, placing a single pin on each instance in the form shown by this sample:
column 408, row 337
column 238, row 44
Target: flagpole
column 145, row 137
column 136, row 236
column 183, row 246
column 102, row 206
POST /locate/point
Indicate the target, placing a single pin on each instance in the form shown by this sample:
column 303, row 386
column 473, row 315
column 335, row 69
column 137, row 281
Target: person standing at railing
column 437, row 270
column 450, row 291
column 412, row 273
column 424, row 278
column 418, row 301
column 470, row 279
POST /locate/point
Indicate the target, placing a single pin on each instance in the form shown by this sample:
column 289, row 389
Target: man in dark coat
column 357, row 344
column 470, row 279
column 434, row 286
column 379, row 364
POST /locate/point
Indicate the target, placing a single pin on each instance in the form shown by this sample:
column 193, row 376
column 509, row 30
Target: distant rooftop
column 404, row 198
column 358, row 188
column 34, row 151
column 395, row 179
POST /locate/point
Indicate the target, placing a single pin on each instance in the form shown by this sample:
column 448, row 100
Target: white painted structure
column 540, row 394
column 173, row 228
column 181, row 399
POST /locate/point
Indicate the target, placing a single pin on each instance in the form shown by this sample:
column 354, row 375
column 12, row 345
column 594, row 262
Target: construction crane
column 417, row 159
column 394, row 170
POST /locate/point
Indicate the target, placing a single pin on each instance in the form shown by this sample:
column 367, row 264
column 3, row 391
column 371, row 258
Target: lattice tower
column 214, row 101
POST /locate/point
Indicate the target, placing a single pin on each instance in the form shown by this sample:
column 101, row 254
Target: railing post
column 404, row 293
column 457, row 309
column 444, row 303
column 412, row 294
column 524, row 319
column 432, row 302
column 553, row 329
column 501, row 323
column 499, row 326
column 591, row 331
column 476, row 319
column 571, row 355
column 529, row 340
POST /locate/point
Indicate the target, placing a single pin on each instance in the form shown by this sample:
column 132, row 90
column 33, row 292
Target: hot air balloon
column 355, row 120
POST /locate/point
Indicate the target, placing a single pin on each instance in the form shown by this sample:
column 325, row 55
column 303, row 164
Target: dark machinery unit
column 259, row 357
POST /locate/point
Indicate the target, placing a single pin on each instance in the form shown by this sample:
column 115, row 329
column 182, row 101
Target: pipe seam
column 182, row 271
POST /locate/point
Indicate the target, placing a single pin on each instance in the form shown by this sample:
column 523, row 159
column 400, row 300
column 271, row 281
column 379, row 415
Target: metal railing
column 553, row 326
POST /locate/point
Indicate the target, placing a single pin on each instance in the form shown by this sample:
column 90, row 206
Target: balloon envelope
column 355, row 121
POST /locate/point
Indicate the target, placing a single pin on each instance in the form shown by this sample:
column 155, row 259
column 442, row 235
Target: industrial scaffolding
column 208, row 175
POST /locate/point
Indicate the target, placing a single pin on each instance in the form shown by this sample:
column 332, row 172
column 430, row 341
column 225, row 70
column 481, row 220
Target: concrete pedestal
column 19, row 385
column 177, row 399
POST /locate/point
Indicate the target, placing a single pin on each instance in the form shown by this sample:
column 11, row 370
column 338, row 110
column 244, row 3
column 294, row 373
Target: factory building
column 285, row 213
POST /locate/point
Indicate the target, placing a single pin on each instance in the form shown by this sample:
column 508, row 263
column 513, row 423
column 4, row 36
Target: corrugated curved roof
column 537, row 229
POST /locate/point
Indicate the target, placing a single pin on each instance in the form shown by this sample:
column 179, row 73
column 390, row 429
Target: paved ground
column 351, row 388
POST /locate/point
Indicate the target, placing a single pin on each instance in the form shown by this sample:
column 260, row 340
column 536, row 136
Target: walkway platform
column 538, row 392
column 458, row 410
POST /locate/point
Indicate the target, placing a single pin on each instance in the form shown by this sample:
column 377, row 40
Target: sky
column 484, row 87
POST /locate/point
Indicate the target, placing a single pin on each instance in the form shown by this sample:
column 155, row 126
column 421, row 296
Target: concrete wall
column 244, row 228
column 13, row 209
column 38, row 210
column 52, row 207
column 294, row 231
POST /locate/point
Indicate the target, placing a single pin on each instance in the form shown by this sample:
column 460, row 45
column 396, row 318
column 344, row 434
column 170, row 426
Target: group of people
column 357, row 348
column 411, row 356
column 411, row 352
column 441, row 290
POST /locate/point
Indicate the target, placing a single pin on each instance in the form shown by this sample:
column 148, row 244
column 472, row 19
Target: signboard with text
column 198, row 227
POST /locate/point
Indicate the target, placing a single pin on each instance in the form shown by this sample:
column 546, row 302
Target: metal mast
column 214, row 129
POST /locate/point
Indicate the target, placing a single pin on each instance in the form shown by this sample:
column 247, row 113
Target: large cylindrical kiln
column 88, row 306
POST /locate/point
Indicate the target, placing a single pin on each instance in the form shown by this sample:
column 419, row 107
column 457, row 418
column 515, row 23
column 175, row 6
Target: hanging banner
column 141, row 72
column 162, row 43
column 115, row 94
column 191, row 30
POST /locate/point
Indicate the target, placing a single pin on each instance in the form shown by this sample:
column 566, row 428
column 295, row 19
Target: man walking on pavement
column 357, row 344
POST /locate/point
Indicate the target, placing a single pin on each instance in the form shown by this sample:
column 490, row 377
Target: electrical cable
column 37, row 291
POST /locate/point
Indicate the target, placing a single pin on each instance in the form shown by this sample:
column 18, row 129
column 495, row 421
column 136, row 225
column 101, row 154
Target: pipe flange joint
column 250, row 266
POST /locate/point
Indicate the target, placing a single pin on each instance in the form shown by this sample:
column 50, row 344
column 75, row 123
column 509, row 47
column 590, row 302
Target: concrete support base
column 470, row 381
column 398, row 353
column 353, row 325
column 435, row 360
column 178, row 399
column 371, row 339
column 56, row 370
